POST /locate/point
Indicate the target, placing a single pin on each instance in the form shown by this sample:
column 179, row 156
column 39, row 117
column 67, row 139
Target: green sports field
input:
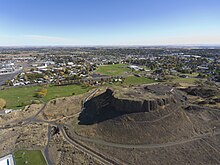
column 26, row 157
column 113, row 70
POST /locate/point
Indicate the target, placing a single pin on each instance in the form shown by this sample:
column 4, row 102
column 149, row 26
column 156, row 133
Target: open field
column 63, row 91
column 194, row 74
column 17, row 98
column 192, row 78
column 133, row 80
column 113, row 70
column 185, row 80
column 29, row 158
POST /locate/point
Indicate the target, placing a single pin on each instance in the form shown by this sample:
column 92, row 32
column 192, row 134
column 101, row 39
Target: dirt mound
column 166, row 124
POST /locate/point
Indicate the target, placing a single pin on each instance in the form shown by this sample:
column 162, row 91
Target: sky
column 109, row 22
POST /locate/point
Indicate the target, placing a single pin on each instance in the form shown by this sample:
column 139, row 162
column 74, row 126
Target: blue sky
column 109, row 22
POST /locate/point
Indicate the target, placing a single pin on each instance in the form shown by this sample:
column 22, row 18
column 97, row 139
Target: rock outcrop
column 109, row 105
column 204, row 92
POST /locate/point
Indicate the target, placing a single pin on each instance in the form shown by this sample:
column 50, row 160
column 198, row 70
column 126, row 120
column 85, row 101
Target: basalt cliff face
column 135, row 106
column 111, row 104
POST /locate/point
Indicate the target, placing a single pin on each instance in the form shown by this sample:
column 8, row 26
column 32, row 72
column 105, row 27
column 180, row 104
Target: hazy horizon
column 109, row 23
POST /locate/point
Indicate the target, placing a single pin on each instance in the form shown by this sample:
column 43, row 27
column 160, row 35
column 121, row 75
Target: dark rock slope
column 108, row 105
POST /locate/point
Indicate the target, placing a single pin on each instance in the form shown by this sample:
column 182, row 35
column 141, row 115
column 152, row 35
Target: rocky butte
column 116, row 102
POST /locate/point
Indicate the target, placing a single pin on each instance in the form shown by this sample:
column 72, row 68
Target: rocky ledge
column 114, row 103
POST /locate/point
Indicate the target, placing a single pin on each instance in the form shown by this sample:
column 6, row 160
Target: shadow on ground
column 99, row 109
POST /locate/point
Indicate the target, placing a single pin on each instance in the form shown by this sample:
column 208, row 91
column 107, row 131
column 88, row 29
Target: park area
column 29, row 157
column 17, row 98
column 133, row 80
column 123, row 70
column 113, row 70
column 190, row 79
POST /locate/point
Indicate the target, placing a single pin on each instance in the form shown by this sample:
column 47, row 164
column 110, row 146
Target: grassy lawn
column 194, row 74
column 29, row 158
column 133, row 80
column 185, row 80
column 113, row 70
column 191, row 80
column 63, row 91
column 17, row 98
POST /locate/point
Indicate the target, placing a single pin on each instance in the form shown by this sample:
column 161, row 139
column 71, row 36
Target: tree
column 2, row 103
column 41, row 93
column 9, row 82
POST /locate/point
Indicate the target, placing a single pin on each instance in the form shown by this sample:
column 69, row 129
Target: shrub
column 41, row 93
column 36, row 102
column 2, row 103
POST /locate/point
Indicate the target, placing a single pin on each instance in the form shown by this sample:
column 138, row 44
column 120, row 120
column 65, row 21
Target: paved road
column 5, row 77
column 46, row 149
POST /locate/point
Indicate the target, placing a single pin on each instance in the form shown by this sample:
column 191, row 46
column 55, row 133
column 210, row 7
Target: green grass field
column 133, row 80
column 185, row 80
column 17, row 98
column 29, row 158
column 194, row 74
column 63, row 91
column 113, row 70
column 191, row 80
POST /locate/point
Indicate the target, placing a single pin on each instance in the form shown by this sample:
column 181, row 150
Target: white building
column 137, row 68
column 7, row 160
